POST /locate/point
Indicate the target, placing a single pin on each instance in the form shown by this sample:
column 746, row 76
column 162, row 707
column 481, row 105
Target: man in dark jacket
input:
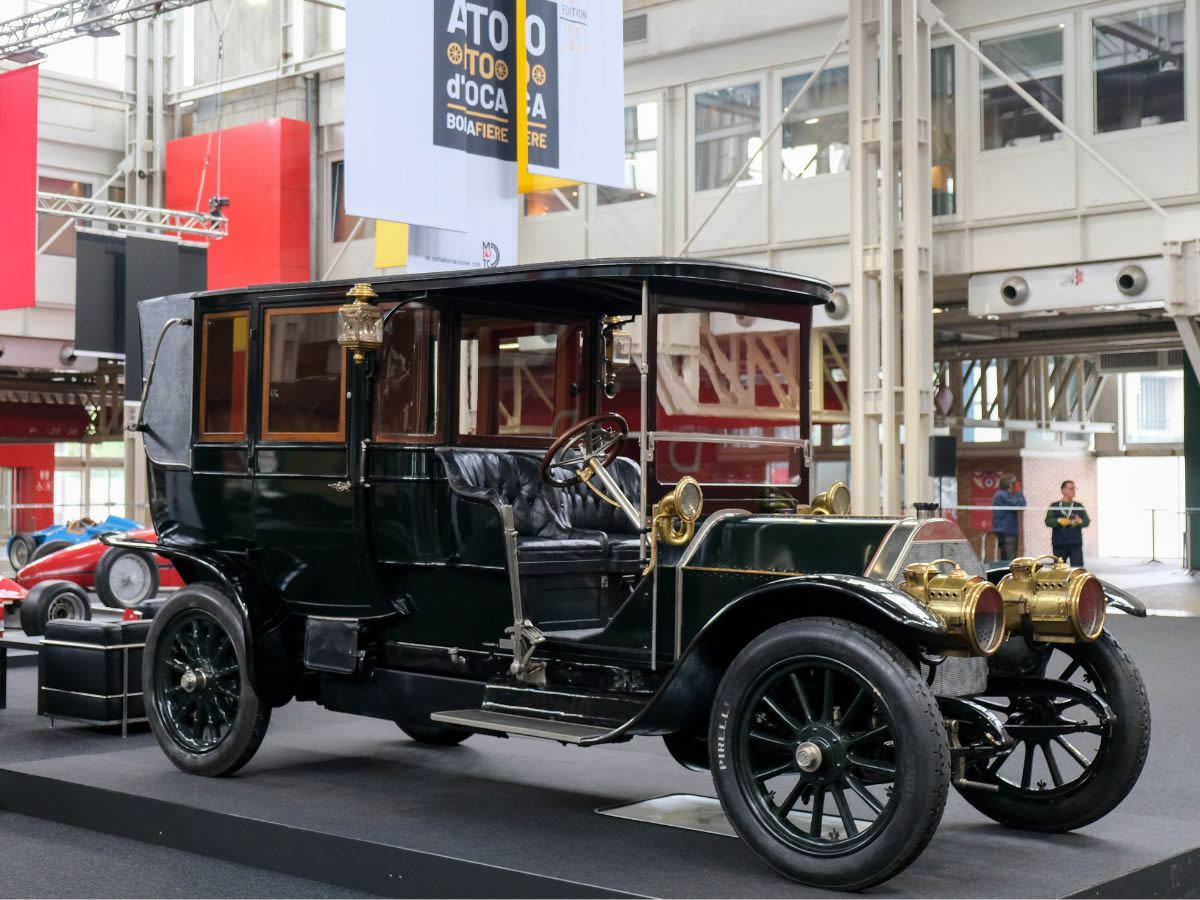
column 1006, row 523
column 1067, row 518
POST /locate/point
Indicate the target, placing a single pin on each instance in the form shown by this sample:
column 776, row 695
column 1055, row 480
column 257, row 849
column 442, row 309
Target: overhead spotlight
column 1015, row 290
column 26, row 56
column 1131, row 280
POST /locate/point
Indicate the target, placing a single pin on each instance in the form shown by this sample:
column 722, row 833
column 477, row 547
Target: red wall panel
column 18, row 185
column 264, row 173
column 33, row 483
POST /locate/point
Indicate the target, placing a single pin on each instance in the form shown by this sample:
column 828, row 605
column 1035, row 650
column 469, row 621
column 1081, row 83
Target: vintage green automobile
column 420, row 500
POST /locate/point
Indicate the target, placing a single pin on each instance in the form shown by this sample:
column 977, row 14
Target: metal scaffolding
column 143, row 218
column 22, row 37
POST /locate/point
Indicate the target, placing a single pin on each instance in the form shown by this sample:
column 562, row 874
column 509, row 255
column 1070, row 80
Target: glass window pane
column 68, row 494
column 1154, row 407
column 1138, row 60
column 223, row 379
column 407, row 398
column 728, row 131
column 342, row 223
column 641, row 156
column 64, row 244
column 1035, row 61
column 540, row 203
column 942, row 131
column 816, row 134
column 305, row 376
column 520, row 378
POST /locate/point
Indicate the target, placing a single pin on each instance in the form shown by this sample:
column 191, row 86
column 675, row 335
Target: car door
column 307, row 498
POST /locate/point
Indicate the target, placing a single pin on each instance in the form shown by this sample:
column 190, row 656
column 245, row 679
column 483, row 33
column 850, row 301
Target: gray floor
column 530, row 805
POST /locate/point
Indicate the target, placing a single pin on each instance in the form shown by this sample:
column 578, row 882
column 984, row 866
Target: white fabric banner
column 431, row 126
column 576, row 90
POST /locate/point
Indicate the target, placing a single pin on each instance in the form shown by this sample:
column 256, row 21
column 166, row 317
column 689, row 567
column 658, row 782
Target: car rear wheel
column 436, row 735
column 1081, row 728
column 20, row 548
column 53, row 600
column 201, row 705
column 126, row 578
column 47, row 548
column 829, row 753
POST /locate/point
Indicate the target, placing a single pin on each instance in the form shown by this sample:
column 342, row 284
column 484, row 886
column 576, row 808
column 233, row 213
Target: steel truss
column 21, row 37
column 147, row 218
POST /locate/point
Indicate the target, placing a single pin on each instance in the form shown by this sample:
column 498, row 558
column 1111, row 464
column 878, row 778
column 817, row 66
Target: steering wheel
column 599, row 438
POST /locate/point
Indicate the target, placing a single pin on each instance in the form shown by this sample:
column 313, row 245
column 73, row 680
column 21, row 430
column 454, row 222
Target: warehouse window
column 942, row 143
column 1153, row 407
column 728, row 132
column 223, row 354
column 641, row 156
column 48, row 225
column 1035, row 61
column 1138, row 64
column 305, row 383
column 816, row 133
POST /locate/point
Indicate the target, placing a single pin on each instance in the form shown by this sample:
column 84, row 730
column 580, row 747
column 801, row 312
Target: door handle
column 362, row 462
column 340, row 486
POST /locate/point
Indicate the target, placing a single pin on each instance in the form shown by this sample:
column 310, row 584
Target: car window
column 223, row 354
column 520, row 377
column 406, row 393
column 304, row 384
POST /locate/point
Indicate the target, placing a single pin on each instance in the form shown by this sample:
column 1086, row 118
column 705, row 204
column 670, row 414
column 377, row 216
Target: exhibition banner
column 571, row 71
column 431, row 126
column 18, row 186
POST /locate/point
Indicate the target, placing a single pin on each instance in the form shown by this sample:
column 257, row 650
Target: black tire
column 20, row 549
column 216, row 725
column 847, row 692
column 125, row 579
column 53, row 600
column 44, row 550
column 1116, row 753
column 435, row 735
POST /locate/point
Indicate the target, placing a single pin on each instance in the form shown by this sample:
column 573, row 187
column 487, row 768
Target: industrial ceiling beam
column 143, row 218
column 22, row 37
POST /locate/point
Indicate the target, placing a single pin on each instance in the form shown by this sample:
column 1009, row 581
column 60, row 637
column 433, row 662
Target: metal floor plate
column 695, row 813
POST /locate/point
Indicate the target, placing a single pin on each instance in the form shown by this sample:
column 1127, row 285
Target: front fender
column 685, row 697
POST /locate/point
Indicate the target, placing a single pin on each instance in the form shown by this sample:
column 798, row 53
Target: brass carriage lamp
column 360, row 324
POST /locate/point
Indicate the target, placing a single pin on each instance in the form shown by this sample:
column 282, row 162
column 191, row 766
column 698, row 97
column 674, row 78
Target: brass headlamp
column 1063, row 604
column 360, row 324
column 970, row 605
column 676, row 514
column 833, row 502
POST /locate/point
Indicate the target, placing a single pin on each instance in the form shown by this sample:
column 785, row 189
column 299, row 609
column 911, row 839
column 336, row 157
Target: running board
column 530, row 726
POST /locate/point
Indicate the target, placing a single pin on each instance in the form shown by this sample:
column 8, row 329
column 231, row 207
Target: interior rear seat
column 559, row 529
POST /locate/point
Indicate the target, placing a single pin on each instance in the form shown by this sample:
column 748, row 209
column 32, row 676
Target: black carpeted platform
column 472, row 819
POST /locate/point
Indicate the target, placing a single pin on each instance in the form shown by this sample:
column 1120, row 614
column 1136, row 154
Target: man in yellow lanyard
column 1067, row 519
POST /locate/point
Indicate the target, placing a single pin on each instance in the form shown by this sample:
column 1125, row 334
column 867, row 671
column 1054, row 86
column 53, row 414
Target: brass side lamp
column 360, row 324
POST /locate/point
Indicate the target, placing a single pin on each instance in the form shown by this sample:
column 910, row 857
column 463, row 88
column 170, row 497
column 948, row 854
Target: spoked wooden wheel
column 202, row 706
column 1081, row 734
column 829, row 753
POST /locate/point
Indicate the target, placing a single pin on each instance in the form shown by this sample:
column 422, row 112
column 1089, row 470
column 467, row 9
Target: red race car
column 122, row 578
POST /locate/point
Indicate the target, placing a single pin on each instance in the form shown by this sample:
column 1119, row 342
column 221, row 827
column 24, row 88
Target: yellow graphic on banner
column 528, row 182
column 391, row 244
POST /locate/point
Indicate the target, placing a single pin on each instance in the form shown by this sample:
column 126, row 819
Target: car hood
column 10, row 591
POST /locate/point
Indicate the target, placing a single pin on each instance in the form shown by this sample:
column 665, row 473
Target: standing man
column 1005, row 522
column 1067, row 519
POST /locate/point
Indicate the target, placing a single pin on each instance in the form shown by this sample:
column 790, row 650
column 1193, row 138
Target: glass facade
column 641, row 157
column 728, row 132
column 816, row 133
column 1138, row 62
column 1035, row 61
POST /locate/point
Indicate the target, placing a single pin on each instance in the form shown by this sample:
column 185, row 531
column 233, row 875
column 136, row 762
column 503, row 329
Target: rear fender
column 684, row 700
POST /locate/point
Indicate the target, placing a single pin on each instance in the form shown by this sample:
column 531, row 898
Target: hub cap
column 129, row 579
column 808, row 757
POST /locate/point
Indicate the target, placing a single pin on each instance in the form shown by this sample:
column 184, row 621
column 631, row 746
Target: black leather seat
column 559, row 529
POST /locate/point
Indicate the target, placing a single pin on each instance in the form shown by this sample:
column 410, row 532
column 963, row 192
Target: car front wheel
column 202, row 707
column 20, row 548
column 1080, row 723
column 829, row 753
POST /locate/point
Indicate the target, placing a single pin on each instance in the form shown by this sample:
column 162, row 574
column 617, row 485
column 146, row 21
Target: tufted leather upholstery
column 583, row 509
column 555, row 526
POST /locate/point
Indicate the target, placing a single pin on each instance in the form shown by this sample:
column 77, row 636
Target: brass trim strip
column 743, row 571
